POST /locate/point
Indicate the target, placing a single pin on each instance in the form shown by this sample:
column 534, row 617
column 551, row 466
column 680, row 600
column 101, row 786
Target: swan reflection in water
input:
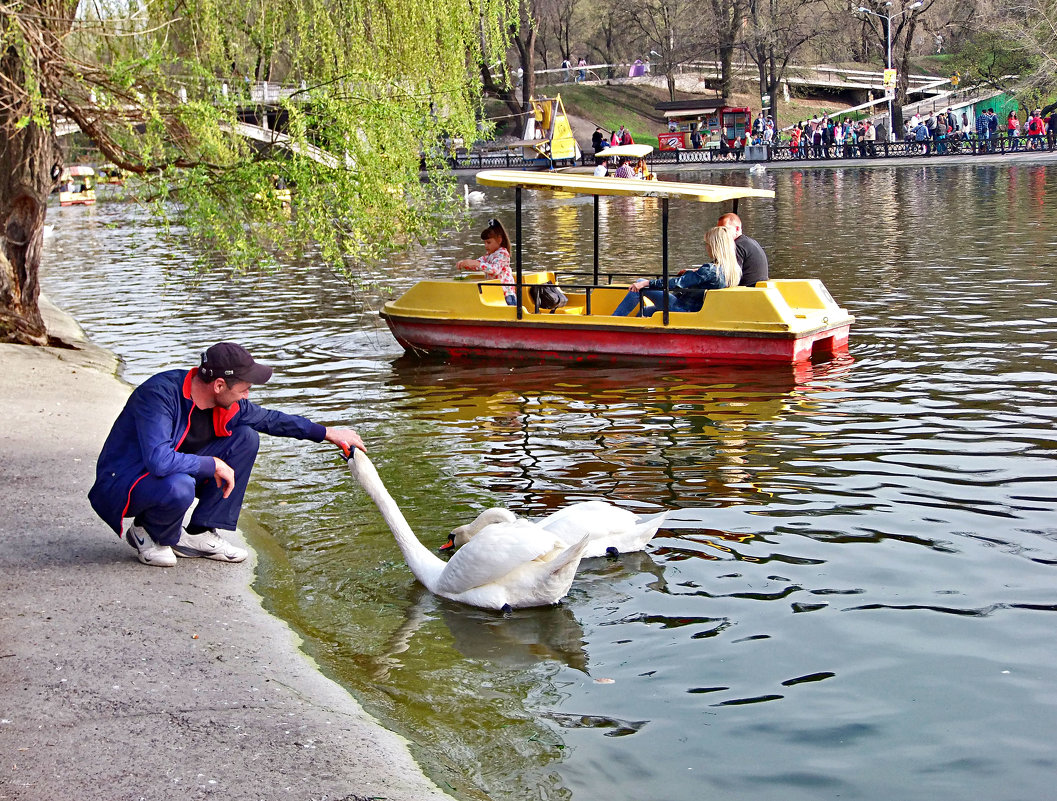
column 517, row 640
column 525, row 637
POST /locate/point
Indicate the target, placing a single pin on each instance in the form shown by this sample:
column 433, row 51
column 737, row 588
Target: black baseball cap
column 230, row 361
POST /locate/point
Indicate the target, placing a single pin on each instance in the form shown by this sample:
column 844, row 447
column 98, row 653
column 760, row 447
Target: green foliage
column 990, row 57
column 371, row 90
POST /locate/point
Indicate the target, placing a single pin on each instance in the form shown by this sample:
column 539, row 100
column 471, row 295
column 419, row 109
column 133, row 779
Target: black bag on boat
column 547, row 296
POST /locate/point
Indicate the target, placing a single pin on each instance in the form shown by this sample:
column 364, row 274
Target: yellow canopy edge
column 632, row 187
column 626, row 151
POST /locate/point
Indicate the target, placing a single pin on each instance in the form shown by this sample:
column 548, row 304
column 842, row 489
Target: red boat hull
column 601, row 343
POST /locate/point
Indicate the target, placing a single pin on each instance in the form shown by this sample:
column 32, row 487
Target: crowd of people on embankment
column 826, row 137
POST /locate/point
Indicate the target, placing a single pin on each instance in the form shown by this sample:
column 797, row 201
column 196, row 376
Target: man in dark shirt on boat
column 185, row 434
column 751, row 258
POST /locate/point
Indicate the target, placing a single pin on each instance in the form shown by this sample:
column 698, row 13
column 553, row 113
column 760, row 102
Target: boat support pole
column 596, row 240
column 517, row 233
column 595, row 282
column 664, row 254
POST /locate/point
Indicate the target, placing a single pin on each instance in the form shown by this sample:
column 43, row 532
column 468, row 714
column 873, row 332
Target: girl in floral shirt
column 495, row 263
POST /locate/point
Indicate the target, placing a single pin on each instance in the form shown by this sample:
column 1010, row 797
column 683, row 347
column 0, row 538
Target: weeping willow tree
column 166, row 90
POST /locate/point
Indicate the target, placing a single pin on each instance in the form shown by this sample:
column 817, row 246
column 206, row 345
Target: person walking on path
column 750, row 254
column 185, row 434
column 598, row 142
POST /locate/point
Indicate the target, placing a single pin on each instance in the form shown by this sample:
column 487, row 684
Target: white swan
column 757, row 168
column 472, row 198
column 510, row 565
column 611, row 529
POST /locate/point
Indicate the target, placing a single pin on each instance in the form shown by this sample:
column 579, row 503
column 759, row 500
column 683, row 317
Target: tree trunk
column 27, row 161
column 906, row 34
column 729, row 15
column 773, row 85
column 726, row 76
column 527, row 51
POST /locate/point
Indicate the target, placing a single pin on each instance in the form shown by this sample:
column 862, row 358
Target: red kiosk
column 707, row 116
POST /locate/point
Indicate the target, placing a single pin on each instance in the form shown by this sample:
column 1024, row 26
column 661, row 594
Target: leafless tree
column 900, row 21
column 775, row 34
column 669, row 30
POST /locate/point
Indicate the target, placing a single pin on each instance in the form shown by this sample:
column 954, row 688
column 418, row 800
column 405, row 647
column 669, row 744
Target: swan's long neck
column 424, row 563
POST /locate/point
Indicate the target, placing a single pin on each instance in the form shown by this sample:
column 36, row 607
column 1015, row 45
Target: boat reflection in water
column 544, row 437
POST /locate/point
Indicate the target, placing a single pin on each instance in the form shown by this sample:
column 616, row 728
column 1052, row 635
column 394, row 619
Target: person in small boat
column 642, row 170
column 751, row 257
column 601, row 169
column 688, row 288
column 624, row 170
column 495, row 263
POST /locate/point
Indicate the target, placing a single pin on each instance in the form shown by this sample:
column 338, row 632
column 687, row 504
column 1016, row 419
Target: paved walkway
column 121, row 681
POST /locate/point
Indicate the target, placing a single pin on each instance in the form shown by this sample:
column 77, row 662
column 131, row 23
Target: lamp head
column 918, row 4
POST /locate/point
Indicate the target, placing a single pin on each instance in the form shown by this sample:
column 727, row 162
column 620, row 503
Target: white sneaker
column 148, row 552
column 209, row 546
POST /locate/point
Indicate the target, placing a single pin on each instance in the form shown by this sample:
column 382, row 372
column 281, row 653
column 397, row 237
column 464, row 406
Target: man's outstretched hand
column 345, row 438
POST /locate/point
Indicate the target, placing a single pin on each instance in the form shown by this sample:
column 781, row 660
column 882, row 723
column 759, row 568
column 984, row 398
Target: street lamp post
column 888, row 17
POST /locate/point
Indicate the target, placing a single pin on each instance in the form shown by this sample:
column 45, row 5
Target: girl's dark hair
column 495, row 228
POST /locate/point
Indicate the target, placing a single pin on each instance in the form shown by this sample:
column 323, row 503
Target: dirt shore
column 122, row 681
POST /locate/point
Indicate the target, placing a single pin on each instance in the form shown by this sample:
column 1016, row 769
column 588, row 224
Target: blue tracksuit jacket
column 153, row 424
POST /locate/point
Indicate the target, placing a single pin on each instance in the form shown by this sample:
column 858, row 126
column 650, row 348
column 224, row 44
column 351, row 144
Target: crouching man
column 185, row 434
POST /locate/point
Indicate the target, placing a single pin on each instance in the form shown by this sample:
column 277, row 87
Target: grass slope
column 633, row 105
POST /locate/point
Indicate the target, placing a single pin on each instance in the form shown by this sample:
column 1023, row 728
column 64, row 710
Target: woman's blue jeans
column 630, row 303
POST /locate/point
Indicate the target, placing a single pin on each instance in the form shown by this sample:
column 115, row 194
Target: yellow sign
column 889, row 79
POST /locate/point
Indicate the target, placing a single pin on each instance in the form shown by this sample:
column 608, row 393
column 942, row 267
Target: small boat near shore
column 777, row 321
column 77, row 186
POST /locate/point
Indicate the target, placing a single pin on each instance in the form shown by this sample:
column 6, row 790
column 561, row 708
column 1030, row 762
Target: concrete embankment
column 122, row 681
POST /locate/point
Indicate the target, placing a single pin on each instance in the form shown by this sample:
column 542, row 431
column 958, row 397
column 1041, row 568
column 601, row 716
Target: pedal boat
column 779, row 321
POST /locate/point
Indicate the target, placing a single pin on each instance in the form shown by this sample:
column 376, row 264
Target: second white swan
column 509, row 565
column 611, row 529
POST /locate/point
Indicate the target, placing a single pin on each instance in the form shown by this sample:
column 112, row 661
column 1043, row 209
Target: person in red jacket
column 1036, row 127
column 187, row 434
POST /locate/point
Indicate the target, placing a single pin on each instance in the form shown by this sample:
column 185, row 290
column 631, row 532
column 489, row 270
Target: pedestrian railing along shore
column 951, row 146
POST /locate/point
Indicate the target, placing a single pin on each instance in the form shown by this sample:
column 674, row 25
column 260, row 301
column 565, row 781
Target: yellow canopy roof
column 590, row 185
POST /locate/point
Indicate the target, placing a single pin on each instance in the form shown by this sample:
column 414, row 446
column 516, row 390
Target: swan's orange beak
column 449, row 544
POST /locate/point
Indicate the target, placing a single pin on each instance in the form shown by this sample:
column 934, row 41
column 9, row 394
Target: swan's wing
column 494, row 552
column 597, row 518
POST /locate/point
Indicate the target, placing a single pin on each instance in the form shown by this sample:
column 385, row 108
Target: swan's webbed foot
column 507, row 609
column 612, row 552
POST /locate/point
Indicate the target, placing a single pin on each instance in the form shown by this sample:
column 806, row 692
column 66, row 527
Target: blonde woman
column 688, row 288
